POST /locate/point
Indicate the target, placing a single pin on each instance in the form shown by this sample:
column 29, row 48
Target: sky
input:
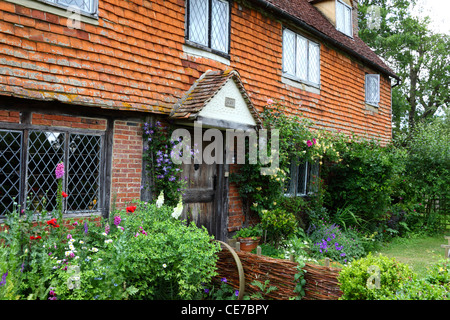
column 439, row 12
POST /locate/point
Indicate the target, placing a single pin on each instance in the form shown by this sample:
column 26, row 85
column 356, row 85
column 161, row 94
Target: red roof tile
column 316, row 22
column 204, row 89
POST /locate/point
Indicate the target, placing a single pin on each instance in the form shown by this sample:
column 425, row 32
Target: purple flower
column 107, row 229
column 2, row 283
column 117, row 220
column 86, row 227
column 236, row 293
column 224, row 280
column 59, row 172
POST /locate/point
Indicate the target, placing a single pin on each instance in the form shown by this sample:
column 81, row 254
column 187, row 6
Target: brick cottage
column 78, row 79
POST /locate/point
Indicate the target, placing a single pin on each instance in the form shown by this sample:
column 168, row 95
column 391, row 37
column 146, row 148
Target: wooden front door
column 205, row 197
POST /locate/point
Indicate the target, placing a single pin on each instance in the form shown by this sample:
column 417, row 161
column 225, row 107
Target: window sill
column 371, row 107
column 60, row 11
column 194, row 49
column 300, row 84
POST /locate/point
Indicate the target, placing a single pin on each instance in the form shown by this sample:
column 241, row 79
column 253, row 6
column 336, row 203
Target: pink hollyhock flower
column 309, row 143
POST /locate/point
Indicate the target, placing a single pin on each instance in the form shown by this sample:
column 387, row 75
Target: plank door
column 204, row 196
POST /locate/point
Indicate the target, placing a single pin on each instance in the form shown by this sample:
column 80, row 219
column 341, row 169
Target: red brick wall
column 126, row 163
column 133, row 60
column 68, row 121
column 9, row 116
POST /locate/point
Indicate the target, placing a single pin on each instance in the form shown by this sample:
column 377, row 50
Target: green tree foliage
column 417, row 55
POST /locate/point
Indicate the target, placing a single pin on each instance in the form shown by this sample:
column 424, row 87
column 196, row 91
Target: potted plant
column 249, row 237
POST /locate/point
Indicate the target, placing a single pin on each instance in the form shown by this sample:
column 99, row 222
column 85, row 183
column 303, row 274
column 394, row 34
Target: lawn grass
column 419, row 253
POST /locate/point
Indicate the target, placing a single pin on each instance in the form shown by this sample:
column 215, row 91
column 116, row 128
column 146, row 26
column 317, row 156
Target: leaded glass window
column 208, row 23
column 301, row 57
column 372, row 89
column 89, row 7
column 344, row 18
column 10, row 169
column 33, row 160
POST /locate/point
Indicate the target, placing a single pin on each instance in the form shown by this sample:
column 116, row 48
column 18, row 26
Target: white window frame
column 370, row 99
column 74, row 9
column 208, row 43
column 307, row 76
column 347, row 25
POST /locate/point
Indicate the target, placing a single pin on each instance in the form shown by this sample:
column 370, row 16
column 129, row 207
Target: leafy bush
column 328, row 240
column 172, row 263
column 356, row 279
column 279, row 224
column 363, row 180
column 434, row 286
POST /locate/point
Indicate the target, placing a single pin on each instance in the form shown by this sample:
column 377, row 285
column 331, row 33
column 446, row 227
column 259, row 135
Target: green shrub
column 358, row 278
column 419, row 289
column 279, row 224
column 363, row 180
column 163, row 257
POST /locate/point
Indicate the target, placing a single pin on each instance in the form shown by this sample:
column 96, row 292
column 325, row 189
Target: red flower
column 65, row 195
column 32, row 238
column 53, row 223
column 35, row 238
column 131, row 209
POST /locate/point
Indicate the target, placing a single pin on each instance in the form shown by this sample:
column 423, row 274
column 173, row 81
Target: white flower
column 160, row 200
column 177, row 210
column 94, row 250
column 104, row 234
column 108, row 241
column 164, row 265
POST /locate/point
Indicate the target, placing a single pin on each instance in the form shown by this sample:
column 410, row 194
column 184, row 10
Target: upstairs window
column 89, row 7
column 208, row 24
column 344, row 18
column 301, row 58
column 372, row 89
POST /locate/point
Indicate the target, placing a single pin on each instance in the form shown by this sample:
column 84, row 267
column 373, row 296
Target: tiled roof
column 317, row 23
column 204, row 89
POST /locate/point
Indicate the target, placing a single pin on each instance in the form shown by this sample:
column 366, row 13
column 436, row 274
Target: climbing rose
column 65, row 195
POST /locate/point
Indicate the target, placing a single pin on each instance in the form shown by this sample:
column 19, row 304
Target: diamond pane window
column 344, row 18
column 373, row 89
column 84, row 172
column 28, row 159
column 45, row 151
column 289, row 61
column 301, row 57
column 10, row 169
column 219, row 25
column 78, row 6
column 209, row 22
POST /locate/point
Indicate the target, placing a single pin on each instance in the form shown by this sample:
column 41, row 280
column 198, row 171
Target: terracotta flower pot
column 248, row 244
